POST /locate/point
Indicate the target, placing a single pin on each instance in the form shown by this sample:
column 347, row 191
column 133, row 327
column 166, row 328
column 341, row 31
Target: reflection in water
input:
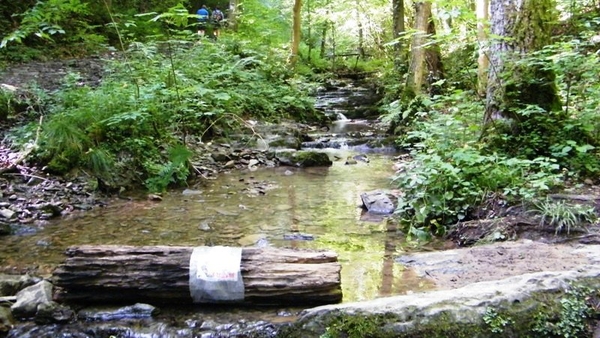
column 244, row 209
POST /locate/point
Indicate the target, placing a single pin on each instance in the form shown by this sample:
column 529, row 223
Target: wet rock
column 11, row 284
column 377, row 202
column 286, row 142
column 8, row 214
column 191, row 192
column 6, row 320
column 54, row 209
column 30, row 298
column 136, row 311
column 48, row 313
column 220, row 156
column 298, row 237
column 304, row 159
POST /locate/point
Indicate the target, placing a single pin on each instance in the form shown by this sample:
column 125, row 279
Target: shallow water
column 243, row 209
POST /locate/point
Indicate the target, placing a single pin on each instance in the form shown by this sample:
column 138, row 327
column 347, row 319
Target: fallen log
column 161, row 274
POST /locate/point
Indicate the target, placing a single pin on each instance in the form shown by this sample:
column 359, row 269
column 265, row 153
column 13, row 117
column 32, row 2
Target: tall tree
column 416, row 71
column 519, row 27
column 233, row 13
column 398, row 24
column 483, row 63
column 296, row 30
column 425, row 56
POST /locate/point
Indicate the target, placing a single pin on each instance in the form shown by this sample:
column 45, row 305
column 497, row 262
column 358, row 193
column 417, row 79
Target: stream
column 316, row 208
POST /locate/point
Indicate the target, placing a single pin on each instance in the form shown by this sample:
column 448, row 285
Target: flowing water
column 317, row 208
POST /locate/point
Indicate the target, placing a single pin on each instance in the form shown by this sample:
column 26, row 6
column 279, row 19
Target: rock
column 7, row 213
column 377, row 202
column 446, row 313
column 220, row 156
column 286, row 142
column 136, row 311
column 49, row 313
column 30, row 298
column 362, row 158
column 154, row 197
column 191, row 192
column 298, row 237
column 6, row 320
column 11, row 284
column 350, row 161
column 304, row 159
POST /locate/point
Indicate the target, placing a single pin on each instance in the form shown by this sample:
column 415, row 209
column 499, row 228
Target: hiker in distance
column 203, row 16
column 217, row 18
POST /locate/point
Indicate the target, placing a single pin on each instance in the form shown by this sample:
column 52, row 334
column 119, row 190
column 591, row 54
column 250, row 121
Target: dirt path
column 459, row 267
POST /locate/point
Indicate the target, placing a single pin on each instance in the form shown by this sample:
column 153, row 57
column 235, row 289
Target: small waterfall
column 341, row 116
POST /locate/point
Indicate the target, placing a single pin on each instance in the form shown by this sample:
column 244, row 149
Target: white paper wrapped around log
column 160, row 274
column 215, row 274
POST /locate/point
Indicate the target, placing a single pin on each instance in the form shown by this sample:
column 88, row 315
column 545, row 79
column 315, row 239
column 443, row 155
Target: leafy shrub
column 449, row 173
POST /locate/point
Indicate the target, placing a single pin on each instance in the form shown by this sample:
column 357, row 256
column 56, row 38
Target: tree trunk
column 483, row 62
column 160, row 274
column 323, row 39
column 433, row 57
column 519, row 27
column 232, row 15
column 424, row 59
column 361, row 34
column 399, row 29
column 296, row 30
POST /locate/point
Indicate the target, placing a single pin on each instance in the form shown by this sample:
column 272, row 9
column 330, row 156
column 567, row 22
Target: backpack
column 217, row 15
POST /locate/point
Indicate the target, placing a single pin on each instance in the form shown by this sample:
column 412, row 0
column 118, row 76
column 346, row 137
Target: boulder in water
column 377, row 202
column 304, row 159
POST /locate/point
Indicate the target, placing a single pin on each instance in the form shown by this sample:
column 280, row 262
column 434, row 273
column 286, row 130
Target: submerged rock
column 136, row 311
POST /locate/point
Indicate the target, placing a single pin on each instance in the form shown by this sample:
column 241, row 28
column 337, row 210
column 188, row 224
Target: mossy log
column 160, row 274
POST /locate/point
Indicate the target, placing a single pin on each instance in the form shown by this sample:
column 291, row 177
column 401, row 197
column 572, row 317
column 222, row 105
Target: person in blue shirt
column 203, row 16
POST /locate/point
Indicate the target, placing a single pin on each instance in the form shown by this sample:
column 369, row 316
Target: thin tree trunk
column 433, row 57
column 416, row 72
column 361, row 39
column 483, row 62
column 323, row 39
column 309, row 23
column 296, row 31
column 399, row 29
column 232, row 15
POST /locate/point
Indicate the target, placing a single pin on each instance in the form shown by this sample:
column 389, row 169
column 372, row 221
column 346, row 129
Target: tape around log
column 215, row 274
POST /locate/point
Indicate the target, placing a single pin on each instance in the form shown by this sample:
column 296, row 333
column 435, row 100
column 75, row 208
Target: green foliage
column 53, row 19
column 450, row 173
column 174, row 171
column 158, row 96
column 562, row 216
column 576, row 309
column 570, row 135
column 496, row 322
column 353, row 326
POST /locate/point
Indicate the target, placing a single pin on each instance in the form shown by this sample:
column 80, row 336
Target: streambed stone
column 30, row 298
